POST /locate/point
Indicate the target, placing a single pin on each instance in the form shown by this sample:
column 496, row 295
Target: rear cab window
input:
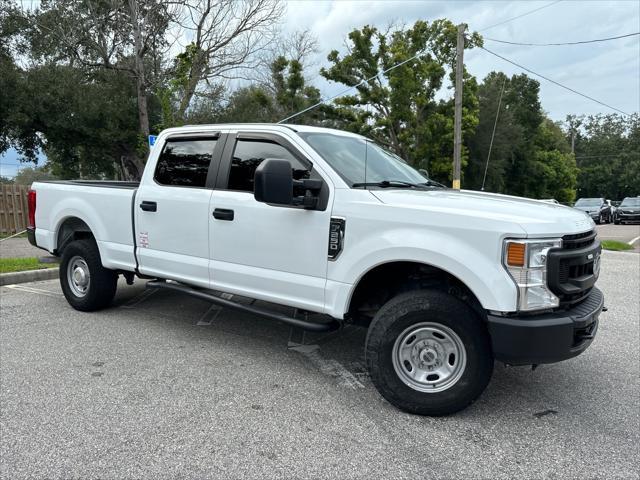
column 185, row 162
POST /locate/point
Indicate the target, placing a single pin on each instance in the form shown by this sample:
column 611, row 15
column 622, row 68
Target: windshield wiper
column 433, row 183
column 391, row 184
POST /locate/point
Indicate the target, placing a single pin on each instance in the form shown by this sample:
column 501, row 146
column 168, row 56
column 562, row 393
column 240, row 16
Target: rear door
column 172, row 209
column 273, row 253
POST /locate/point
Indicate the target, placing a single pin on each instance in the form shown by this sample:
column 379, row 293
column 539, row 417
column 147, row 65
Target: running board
column 294, row 322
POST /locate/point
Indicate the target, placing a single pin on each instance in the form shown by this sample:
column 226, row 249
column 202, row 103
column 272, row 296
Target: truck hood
column 536, row 218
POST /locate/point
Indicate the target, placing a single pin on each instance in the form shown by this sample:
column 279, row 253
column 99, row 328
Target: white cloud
column 608, row 71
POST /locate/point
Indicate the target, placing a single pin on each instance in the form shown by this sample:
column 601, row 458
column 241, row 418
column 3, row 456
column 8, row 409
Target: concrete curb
column 29, row 276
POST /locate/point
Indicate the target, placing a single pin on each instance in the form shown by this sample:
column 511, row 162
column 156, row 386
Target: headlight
column 526, row 262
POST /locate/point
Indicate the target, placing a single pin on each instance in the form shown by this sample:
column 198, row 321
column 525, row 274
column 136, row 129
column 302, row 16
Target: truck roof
column 271, row 126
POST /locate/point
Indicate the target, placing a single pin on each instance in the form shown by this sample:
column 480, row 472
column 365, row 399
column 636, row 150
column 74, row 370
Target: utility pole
column 457, row 125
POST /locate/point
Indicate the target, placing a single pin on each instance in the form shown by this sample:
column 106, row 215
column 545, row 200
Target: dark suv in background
column 597, row 208
column 628, row 211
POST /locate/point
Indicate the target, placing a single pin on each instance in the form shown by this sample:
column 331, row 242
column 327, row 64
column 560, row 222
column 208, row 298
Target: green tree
column 28, row 175
column 607, row 149
column 287, row 93
column 399, row 108
column 530, row 155
column 86, row 126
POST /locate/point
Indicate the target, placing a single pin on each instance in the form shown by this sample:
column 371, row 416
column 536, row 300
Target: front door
column 172, row 210
column 268, row 252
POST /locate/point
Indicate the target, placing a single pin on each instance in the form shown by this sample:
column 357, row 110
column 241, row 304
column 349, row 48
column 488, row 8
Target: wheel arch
column 399, row 276
column 69, row 229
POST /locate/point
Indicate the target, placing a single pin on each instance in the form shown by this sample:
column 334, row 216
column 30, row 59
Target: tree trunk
column 136, row 163
column 132, row 167
column 141, row 90
column 195, row 74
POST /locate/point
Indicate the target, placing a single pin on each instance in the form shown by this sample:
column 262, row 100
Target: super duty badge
column 336, row 236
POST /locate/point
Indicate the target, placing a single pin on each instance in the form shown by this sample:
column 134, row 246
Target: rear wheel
column 428, row 353
column 86, row 284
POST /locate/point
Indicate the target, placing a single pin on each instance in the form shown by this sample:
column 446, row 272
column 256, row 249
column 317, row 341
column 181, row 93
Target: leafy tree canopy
column 399, row 108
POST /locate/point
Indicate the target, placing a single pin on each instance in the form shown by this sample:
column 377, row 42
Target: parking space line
column 138, row 299
column 35, row 290
column 328, row 366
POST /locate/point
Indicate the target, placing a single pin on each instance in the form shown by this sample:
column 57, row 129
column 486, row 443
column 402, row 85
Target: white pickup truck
column 328, row 222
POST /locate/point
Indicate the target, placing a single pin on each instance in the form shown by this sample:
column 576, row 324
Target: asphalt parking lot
column 622, row 233
column 162, row 386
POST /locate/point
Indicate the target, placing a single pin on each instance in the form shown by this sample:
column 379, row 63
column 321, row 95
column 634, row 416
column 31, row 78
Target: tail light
column 31, row 200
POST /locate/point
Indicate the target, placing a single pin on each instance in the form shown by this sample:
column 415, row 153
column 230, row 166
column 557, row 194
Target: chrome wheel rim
column 78, row 276
column 429, row 357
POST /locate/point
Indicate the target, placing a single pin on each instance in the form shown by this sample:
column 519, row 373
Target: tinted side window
column 248, row 154
column 185, row 162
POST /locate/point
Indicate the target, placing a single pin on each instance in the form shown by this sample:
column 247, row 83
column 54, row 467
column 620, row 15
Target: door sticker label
column 144, row 240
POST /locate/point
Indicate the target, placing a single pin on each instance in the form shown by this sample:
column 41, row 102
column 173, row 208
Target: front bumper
column 629, row 217
column 546, row 338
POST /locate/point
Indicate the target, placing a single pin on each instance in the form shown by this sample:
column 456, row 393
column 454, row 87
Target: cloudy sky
column 607, row 71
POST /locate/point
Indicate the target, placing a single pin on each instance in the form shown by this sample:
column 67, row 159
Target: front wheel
column 428, row 353
column 86, row 284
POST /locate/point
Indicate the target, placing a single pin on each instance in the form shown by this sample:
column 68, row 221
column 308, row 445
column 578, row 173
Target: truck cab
column 325, row 221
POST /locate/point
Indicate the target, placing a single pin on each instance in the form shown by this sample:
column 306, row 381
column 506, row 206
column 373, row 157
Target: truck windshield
column 631, row 202
column 588, row 202
column 361, row 162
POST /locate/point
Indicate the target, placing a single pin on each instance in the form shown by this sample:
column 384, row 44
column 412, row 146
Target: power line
column 520, row 16
column 346, row 90
column 493, row 134
column 564, row 43
column 553, row 81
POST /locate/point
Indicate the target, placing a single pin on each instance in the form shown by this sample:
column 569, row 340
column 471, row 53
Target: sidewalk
column 20, row 247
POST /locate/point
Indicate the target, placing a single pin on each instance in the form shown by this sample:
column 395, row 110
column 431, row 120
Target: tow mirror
column 274, row 184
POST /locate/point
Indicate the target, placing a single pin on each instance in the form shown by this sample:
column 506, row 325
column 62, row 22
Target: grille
column 570, row 274
column 579, row 240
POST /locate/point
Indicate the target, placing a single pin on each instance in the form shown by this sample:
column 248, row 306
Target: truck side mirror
column 273, row 182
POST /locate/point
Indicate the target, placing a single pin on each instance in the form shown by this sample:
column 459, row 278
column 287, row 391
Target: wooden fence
column 13, row 208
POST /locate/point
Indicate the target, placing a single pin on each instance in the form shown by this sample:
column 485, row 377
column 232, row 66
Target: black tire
column 616, row 222
column 103, row 282
column 435, row 307
column 599, row 220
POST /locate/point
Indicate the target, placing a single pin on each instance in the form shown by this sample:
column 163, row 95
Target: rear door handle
column 149, row 206
column 223, row 214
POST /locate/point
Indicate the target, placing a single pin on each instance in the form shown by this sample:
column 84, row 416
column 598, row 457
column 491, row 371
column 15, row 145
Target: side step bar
column 294, row 322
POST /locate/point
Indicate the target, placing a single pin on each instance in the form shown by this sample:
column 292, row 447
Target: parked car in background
column 597, row 208
column 628, row 211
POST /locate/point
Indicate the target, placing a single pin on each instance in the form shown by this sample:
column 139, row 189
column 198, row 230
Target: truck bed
column 104, row 206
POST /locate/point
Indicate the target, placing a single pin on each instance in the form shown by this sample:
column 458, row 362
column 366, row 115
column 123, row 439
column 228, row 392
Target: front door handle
column 149, row 206
column 223, row 214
